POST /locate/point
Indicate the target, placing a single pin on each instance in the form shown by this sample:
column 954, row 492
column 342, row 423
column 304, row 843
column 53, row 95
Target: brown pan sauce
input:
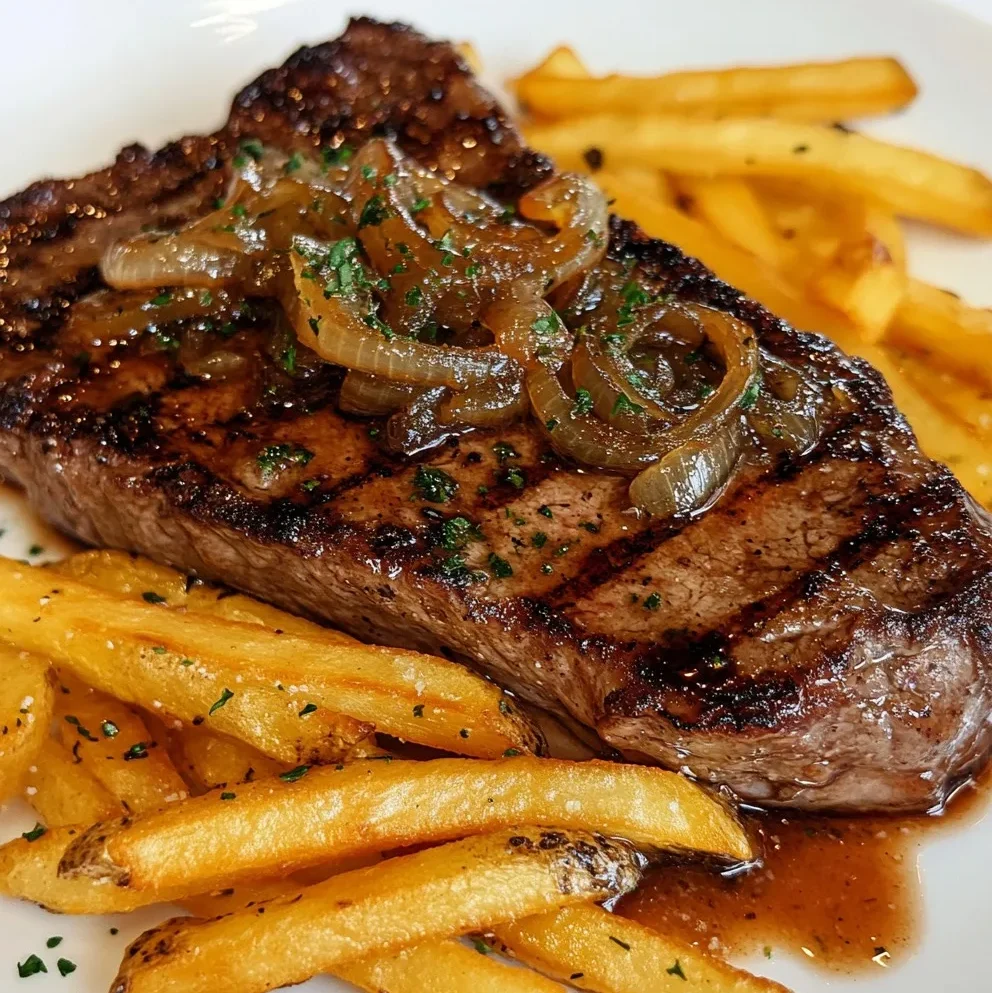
column 841, row 893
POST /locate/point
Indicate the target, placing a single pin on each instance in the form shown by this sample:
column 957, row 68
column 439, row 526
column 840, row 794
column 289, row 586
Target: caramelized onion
column 365, row 394
column 490, row 405
column 167, row 260
column 787, row 413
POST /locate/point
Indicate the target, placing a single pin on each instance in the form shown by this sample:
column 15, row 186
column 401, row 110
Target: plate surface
column 124, row 71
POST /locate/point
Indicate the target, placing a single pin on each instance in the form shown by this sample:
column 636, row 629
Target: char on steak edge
column 820, row 638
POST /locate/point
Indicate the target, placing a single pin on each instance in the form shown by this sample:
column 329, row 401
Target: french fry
column 596, row 950
column 956, row 398
column 729, row 262
column 867, row 279
column 443, row 965
column 62, row 792
column 454, row 889
column 242, row 680
column 562, row 62
column 942, row 438
column 909, row 182
column 731, row 207
column 829, row 91
column 29, row 871
column 26, row 701
column 141, row 579
column 213, row 760
column 113, row 743
column 365, row 807
column 943, row 327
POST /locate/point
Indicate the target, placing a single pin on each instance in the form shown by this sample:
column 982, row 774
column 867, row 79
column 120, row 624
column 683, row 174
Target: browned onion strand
column 441, row 306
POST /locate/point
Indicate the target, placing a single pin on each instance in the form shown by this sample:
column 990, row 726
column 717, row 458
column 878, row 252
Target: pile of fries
column 184, row 745
column 752, row 171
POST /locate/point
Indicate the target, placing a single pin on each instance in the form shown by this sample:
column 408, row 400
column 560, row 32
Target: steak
column 819, row 638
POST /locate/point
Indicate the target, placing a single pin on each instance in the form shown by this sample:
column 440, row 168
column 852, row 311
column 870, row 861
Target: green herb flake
column 481, row 947
column 418, row 205
column 583, row 402
column 152, row 597
column 676, row 970
column 501, row 569
column 457, row 532
column 228, row 796
column 275, row 458
column 374, row 212
column 217, row 704
column 159, row 649
column 750, row 396
column 652, row 602
column 414, row 297
column 622, row 944
column 546, row 324
column 254, row 148
column 463, row 733
column 110, row 729
column 434, row 485
column 511, row 753
column 139, row 750
column 161, row 299
column 309, row 485
column 35, row 833
column 294, row 774
column 624, row 405
column 54, row 941
column 768, row 951
column 336, row 156
column 545, row 511
column 293, row 163
column 368, row 172
column 473, row 270
column 239, row 210
column 418, row 710
column 539, row 539
column 503, row 451
column 31, row 966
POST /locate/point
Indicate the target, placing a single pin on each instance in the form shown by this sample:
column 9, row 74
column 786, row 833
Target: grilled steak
column 820, row 638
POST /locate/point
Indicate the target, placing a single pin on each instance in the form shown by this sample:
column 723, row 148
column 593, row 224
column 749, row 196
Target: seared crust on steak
column 823, row 634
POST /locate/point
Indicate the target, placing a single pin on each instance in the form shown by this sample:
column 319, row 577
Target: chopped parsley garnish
column 253, row 147
column 206, row 298
column 83, row 732
column 473, row 270
column 309, row 485
column 583, row 402
column 374, row 212
column 614, row 339
column 652, row 602
column 336, row 156
column 546, row 324
column 136, row 751
column 551, row 423
column 434, row 485
column 503, row 451
column 35, row 833
column 545, row 511
column 151, row 597
column 511, row 753
column 110, row 729
column 54, row 941
column 547, row 568
column 624, row 405
column 275, row 458
column 161, row 299
column 446, row 242
column 590, row 527
column 539, row 539
column 31, row 966
column 514, row 477
column 308, row 709
column 705, row 390
column 414, row 297
column 418, row 205
column 294, row 774
column 65, row 967
column 228, row 796
column 480, row 946
column 634, row 296
column 457, row 532
column 622, row 944
column 501, row 569
column 293, row 163
column 220, row 702
column 239, row 210
column 676, row 970
column 368, row 172
column 750, row 395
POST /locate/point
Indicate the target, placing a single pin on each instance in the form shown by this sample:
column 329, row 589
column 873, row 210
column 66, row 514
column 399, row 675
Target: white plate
column 84, row 79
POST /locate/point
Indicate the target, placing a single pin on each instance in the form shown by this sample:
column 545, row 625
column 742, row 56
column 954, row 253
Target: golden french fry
column 213, row 760
column 456, row 888
column 26, row 701
column 240, row 678
column 29, row 871
column 729, row 262
column 956, row 398
column 731, row 207
column 943, row 438
column 141, row 579
column 909, row 182
column 355, row 810
column 599, row 951
column 113, row 743
column 829, row 91
column 941, row 326
column 443, row 965
column 562, row 62
column 471, row 55
column 867, row 279
column 62, row 792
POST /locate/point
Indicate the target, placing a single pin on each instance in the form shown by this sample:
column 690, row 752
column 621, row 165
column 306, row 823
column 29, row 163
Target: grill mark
column 502, row 495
